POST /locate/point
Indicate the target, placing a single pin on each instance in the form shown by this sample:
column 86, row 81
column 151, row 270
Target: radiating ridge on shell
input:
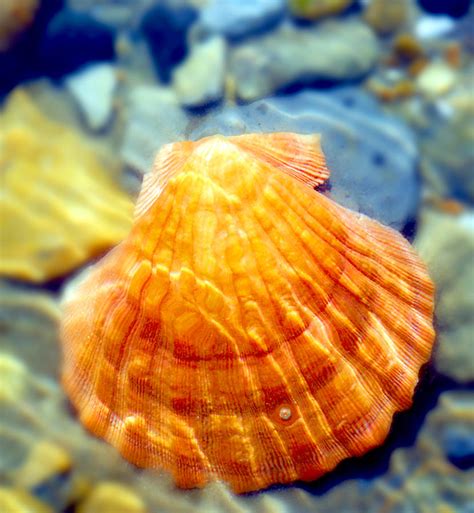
column 248, row 329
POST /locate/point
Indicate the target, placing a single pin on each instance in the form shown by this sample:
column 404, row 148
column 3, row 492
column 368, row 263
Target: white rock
column 199, row 80
column 432, row 27
column 93, row 89
column 436, row 79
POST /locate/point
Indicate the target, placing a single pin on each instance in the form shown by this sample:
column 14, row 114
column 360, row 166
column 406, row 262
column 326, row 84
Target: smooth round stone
column 236, row 19
column 386, row 16
column 436, row 79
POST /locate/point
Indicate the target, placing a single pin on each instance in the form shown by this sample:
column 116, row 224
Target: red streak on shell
column 239, row 292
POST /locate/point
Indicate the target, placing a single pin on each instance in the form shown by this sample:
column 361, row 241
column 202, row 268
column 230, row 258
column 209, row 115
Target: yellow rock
column 45, row 460
column 19, row 501
column 110, row 497
column 58, row 206
column 12, row 378
column 313, row 9
column 386, row 16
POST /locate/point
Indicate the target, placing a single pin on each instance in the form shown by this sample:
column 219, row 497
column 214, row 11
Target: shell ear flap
column 168, row 162
column 297, row 155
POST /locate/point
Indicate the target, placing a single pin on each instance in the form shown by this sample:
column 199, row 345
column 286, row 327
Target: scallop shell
column 248, row 329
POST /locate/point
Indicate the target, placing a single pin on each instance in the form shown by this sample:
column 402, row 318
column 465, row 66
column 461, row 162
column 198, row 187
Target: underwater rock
column 386, row 16
column 432, row 27
column 436, row 79
column 15, row 17
column 28, row 323
column 12, row 378
column 165, row 26
column 111, row 497
column 372, row 155
column 19, row 58
column 423, row 478
column 19, row 501
column 454, row 8
column 446, row 242
column 454, row 437
column 199, row 80
column 314, row 9
column 44, row 472
column 154, row 118
column 122, row 15
column 333, row 51
column 448, row 153
column 59, row 206
column 242, row 18
column 72, row 39
column 93, row 90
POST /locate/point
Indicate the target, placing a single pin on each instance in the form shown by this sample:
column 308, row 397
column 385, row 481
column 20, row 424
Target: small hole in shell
column 285, row 413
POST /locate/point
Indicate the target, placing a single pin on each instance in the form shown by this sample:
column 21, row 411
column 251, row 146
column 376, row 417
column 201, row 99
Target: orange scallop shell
column 248, row 329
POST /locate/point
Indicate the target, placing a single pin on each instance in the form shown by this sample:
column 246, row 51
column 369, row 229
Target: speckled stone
column 372, row 156
column 332, row 51
column 446, row 243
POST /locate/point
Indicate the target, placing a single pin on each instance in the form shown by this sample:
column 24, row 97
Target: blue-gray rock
column 165, row 26
column 372, row 156
column 72, row 39
column 454, row 8
column 448, row 154
column 332, row 51
column 236, row 19
column 154, row 117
